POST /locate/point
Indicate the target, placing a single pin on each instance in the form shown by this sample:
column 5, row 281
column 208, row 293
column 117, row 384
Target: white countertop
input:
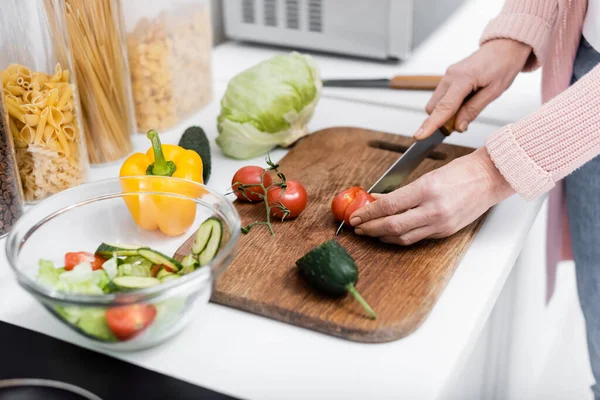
column 252, row 357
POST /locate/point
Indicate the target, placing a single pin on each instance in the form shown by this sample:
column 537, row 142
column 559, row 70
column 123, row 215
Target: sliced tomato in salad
column 73, row 259
column 126, row 322
column 157, row 267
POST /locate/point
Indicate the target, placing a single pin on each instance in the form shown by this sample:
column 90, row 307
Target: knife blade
column 405, row 82
column 363, row 83
column 392, row 178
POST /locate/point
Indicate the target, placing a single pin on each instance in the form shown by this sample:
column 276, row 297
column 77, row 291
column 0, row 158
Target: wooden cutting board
column 402, row 284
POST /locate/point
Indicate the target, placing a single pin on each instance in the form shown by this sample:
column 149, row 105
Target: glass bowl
column 123, row 211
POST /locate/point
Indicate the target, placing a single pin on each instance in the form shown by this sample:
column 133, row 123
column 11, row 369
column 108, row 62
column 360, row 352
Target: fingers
column 393, row 225
column 445, row 108
column 471, row 109
column 410, row 237
column 393, row 203
column 439, row 92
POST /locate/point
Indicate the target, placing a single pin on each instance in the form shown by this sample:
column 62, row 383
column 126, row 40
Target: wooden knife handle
column 448, row 127
column 415, row 82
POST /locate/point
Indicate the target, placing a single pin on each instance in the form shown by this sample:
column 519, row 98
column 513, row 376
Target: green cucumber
column 204, row 234
column 331, row 270
column 162, row 273
column 135, row 282
column 208, row 240
column 159, row 258
column 189, row 264
column 109, row 250
column 169, row 277
column 195, row 139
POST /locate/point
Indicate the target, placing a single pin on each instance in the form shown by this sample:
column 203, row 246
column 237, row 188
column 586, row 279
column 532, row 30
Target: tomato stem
column 263, row 195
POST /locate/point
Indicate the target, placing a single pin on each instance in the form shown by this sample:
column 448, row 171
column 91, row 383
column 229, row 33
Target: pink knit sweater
column 535, row 153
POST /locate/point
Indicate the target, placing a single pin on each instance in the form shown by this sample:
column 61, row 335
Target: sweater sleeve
column 542, row 148
column 526, row 21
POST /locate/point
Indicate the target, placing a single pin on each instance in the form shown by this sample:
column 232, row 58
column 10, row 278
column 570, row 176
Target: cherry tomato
column 75, row 258
column 125, row 322
column 156, row 269
column 294, row 197
column 250, row 176
column 348, row 201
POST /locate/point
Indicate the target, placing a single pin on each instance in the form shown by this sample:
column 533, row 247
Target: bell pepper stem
column 352, row 290
column 160, row 166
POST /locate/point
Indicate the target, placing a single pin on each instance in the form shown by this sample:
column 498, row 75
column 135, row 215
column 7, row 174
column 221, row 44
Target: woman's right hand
column 489, row 71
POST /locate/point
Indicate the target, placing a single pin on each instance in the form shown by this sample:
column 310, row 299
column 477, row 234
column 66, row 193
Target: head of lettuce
column 268, row 105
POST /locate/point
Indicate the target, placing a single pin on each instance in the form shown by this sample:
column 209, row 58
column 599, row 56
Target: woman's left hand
column 436, row 205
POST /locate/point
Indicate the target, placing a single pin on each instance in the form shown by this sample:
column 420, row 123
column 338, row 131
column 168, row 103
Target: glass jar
column 11, row 194
column 100, row 60
column 169, row 50
column 40, row 98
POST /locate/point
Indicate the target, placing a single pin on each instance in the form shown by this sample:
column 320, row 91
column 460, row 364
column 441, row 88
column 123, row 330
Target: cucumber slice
column 214, row 241
column 135, row 282
column 203, row 235
column 189, row 264
column 169, row 277
column 109, row 250
column 162, row 273
column 158, row 258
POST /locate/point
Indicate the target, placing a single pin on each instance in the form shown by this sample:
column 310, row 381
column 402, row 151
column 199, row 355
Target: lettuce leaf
column 47, row 274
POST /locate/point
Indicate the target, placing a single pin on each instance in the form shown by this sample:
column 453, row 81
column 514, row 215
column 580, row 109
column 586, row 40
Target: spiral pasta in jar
column 40, row 99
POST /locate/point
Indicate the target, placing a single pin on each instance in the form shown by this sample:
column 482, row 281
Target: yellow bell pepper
column 171, row 215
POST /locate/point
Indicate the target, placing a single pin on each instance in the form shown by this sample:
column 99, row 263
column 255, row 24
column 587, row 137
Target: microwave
column 379, row 29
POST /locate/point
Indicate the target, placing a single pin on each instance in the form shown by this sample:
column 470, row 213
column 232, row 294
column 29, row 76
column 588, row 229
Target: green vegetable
column 214, row 241
column 137, row 260
column 159, row 258
column 108, row 250
column 169, row 277
column 268, row 105
column 135, row 282
column 93, row 322
column 205, row 247
column 111, row 267
column 162, row 273
column 189, row 264
column 331, row 270
column 47, row 274
column 136, row 269
column 195, row 139
column 208, row 240
column 90, row 320
column 83, row 280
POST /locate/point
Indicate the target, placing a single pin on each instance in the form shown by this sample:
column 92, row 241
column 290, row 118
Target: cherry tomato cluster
column 293, row 196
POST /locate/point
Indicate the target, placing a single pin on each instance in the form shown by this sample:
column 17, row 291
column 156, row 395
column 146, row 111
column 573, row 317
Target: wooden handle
column 415, row 82
column 448, row 127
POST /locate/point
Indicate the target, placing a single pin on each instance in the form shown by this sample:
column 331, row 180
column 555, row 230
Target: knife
column 405, row 82
column 417, row 152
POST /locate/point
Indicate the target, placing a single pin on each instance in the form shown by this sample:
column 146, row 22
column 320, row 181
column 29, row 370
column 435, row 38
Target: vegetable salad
column 116, row 268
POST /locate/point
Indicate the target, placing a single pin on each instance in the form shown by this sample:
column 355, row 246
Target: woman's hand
column 437, row 204
column 489, row 71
